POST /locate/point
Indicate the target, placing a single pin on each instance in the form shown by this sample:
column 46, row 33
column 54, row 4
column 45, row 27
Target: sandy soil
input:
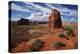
column 49, row 39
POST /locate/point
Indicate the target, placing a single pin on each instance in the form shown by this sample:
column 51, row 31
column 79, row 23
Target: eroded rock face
column 54, row 20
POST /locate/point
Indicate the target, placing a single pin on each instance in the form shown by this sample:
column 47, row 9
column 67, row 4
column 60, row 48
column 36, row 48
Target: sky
column 40, row 11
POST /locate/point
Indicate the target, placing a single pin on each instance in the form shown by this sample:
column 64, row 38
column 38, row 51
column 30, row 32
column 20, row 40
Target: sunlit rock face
column 54, row 19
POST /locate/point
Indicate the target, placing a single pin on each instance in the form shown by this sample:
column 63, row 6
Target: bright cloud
column 38, row 17
column 39, row 7
column 19, row 8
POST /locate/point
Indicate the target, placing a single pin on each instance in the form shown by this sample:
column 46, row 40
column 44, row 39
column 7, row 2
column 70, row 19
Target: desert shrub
column 69, row 33
column 37, row 44
column 69, row 30
column 63, row 36
column 41, row 27
column 35, row 35
column 59, row 44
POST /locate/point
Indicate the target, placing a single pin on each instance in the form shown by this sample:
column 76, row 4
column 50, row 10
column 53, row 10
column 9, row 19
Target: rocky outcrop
column 55, row 19
column 23, row 21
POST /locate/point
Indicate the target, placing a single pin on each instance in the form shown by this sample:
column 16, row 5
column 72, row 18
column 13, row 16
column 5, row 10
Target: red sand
column 49, row 39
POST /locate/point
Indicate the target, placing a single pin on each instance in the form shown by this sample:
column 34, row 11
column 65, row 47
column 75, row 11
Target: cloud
column 41, row 8
column 19, row 8
column 38, row 17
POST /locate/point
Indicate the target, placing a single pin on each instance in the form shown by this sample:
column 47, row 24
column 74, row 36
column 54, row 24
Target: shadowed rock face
column 54, row 20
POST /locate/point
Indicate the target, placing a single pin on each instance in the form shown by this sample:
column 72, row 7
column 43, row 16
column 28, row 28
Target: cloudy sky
column 41, row 11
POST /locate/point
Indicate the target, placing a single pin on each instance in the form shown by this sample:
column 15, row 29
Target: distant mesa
column 23, row 21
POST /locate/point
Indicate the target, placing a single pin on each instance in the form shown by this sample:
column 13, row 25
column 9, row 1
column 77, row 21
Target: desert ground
column 30, row 38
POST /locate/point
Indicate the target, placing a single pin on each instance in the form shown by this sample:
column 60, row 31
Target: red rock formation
column 54, row 20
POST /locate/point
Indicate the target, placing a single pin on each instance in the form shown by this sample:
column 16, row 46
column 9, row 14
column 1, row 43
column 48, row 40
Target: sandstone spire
column 54, row 20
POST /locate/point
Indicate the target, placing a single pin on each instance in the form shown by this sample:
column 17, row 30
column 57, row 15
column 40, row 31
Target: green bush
column 69, row 30
column 37, row 44
column 69, row 33
column 63, row 36
column 35, row 35
column 59, row 44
